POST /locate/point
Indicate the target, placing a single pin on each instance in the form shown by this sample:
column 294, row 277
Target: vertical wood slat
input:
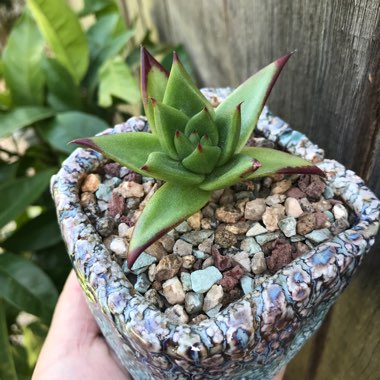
column 331, row 91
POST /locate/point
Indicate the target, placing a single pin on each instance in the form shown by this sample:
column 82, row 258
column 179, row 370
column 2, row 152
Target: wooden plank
column 330, row 91
column 325, row 90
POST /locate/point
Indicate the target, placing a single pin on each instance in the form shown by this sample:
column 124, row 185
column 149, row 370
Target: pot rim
column 263, row 319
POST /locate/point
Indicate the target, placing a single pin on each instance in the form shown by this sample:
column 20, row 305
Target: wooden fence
column 330, row 90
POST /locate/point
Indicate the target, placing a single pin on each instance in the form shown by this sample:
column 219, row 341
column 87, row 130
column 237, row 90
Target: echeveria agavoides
column 193, row 147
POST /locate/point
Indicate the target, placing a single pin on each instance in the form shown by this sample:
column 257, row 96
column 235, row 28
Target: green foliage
column 193, row 147
column 59, row 81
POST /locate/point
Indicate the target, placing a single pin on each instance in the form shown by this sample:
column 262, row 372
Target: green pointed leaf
column 154, row 79
column 63, row 93
column 229, row 136
column 168, row 120
column 116, row 79
column 232, row 172
column 204, row 125
column 159, row 165
column 171, row 204
column 182, row 93
column 22, row 63
column 183, row 145
column 67, row 126
column 202, row 160
column 61, row 28
column 194, row 138
column 22, row 117
column 253, row 94
column 26, row 287
column 274, row 161
column 130, row 149
column 205, row 140
column 7, row 365
column 16, row 195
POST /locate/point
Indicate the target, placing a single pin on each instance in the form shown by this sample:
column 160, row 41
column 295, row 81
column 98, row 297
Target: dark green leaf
column 160, row 166
column 167, row 121
column 230, row 173
column 7, row 366
column 115, row 79
column 252, row 94
column 61, row 29
column 94, row 6
column 68, row 126
column 182, row 93
column 130, row 149
column 20, row 357
column 55, row 262
column 63, row 93
column 105, row 40
column 26, row 287
column 7, row 171
column 40, row 232
column 22, row 63
column 183, row 145
column 275, row 161
column 171, row 204
column 22, row 117
column 203, row 159
column 16, row 195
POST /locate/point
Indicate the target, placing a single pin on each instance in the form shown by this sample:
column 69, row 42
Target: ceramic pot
column 253, row 337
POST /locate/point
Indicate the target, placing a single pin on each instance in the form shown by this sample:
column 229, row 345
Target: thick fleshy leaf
column 274, row 161
column 130, row 149
column 204, row 125
column 26, row 286
column 62, row 30
column 182, row 93
column 232, row 172
column 167, row 121
column 229, row 136
column 253, row 93
column 21, row 117
column 203, row 159
column 116, row 79
column 159, row 165
column 183, row 145
column 154, row 79
column 22, row 63
column 171, row 204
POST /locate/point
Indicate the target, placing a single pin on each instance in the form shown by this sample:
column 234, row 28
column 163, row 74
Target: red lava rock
column 116, row 205
column 231, row 278
column 198, row 264
column 320, row 220
column 299, row 249
column 125, row 219
column 295, row 192
column 112, row 169
column 281, row 255
column 220, row 261
column 134, row 177
column 312, row 186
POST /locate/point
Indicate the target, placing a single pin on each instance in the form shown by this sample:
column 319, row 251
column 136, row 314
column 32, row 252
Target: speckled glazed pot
column 253, row 337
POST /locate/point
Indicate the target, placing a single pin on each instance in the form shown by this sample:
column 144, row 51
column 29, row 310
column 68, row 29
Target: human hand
column 74, row 348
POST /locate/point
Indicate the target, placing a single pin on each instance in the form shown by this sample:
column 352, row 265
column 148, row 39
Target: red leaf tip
column 200, row 148
column 153, row 101
column 145, row 167
column 177, row 133
column 86, row 142
column 281, row 62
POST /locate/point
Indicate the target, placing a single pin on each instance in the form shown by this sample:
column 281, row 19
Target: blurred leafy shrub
column 59, row 80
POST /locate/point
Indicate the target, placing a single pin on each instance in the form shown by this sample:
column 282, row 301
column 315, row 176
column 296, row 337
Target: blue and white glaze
column 253, row 337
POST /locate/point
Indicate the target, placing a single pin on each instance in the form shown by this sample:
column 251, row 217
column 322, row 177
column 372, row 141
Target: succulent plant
column 193, row 147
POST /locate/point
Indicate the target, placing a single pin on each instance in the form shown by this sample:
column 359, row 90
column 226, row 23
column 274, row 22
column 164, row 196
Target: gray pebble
column 202, row 280
column 288, row 226
column 319, row 236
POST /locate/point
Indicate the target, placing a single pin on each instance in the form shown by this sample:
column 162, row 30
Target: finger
column 280, row 375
